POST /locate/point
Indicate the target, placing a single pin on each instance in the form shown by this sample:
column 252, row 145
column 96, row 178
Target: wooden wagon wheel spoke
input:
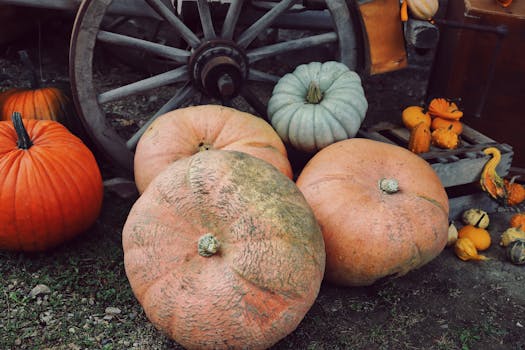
column 231, row 61
column 257, row 75
column 182, row 95
column 175, row 21
column 264, row 22
column 205, row 16
column 263, row 52
column 230, row 22
column 249, row 96
column 168, row 52
column 167, row 78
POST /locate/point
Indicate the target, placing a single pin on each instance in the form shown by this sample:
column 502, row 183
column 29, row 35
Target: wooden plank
column 468, row 170
column 454, row 167
column 479, row 200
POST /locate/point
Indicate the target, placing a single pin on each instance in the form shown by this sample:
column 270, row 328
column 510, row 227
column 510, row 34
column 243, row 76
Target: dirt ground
column 447, row 304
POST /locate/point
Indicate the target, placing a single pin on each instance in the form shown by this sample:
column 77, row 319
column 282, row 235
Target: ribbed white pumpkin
column 423, row 9
column 317, row 104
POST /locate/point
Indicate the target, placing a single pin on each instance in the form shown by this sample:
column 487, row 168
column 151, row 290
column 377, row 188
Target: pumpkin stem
column 314, row 94
column 208, row 245
column 23, row 142
column 389, row 186
column 479, row 220
column 204, row 146
column 34, row 82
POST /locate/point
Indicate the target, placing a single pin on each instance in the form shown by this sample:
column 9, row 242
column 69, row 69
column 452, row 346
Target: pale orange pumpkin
column 186, row 131
column 382, row 209
column 223, row 252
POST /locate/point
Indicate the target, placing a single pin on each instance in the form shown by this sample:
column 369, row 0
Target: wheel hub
column 219, row 68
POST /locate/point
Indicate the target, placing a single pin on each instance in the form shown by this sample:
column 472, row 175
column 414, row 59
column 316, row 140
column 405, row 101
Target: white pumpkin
column 423, row 9
column 317, row 104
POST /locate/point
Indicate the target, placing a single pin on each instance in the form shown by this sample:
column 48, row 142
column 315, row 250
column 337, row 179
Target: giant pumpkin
column 382, row 209
column 186, row 131
column 223, row 252
column 50, row 185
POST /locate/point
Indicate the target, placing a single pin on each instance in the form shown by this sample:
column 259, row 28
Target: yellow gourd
column 490, row 181
column 419, row 141
column 442, row 123
column 518, row 221
column 466, row 250
column 510, row 235
column 445, row 138
column 413, row 115
column 479, row 236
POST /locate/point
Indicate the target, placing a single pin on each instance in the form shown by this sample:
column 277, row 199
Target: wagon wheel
column 221, row 60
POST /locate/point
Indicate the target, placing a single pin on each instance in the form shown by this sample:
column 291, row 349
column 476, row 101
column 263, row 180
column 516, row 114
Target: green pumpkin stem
column 208, row 245
column 23, row 142
column 314, row 94
column 479, row 220
column 34, row 82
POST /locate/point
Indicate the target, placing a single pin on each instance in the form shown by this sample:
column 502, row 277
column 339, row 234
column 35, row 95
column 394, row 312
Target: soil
column 446, row 304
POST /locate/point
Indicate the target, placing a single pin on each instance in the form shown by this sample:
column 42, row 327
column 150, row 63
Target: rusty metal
column 219, row 68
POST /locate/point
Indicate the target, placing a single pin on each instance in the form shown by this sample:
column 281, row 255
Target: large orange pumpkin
column 43, row 103
column 50, row 185
column 223, row 252
column 186, row 131
column 382, row 209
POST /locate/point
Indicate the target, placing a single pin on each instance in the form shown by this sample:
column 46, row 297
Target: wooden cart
column 220, row 51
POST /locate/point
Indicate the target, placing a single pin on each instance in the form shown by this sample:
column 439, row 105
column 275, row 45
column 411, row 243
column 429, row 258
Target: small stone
column 519, row 324
column 18, row 341
column 110, row 310
column 39, row 289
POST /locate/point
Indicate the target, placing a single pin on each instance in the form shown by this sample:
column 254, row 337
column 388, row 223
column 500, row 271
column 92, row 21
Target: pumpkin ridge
column 274, row 291
column 46, row 166
column 74, row 191
column 347, row 102
column 11, row 171
column 337, row 116
column 336, row 119
column 52, row 104
column 433, row 202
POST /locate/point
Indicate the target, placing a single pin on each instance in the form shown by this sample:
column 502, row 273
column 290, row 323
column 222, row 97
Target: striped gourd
column 423, row 9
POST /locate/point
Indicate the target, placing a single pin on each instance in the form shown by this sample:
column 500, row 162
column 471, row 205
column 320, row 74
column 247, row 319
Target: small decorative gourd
column 479, row 236
column 516, row 252
column 442, row 123
column 423, row 9
column 445, row 138
column 518, row 220
column 466, row 250
column 442, row 108
column 515, row 191
column 317, row 104
column 510, row 235
column 452, row 234
column 413, row 115
column 490, row 181
column 419, row 141
column 475, row 216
